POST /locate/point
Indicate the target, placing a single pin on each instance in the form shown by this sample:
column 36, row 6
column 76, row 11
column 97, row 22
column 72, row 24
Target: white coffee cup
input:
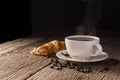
column 82, row 46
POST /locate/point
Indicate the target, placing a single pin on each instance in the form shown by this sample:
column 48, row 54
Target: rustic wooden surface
column 16, row 62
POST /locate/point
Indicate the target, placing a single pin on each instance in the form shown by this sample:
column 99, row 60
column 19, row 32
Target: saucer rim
column 81, row 60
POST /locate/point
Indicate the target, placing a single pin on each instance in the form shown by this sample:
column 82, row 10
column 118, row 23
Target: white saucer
column 96, row 58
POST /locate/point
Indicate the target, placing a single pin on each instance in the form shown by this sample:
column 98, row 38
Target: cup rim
column 85, row 36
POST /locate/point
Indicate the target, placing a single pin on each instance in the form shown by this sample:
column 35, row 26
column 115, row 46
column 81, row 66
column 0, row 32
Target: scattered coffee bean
column 77, row 68
column 67, row 62
column 81, row 67
column 58, row 68
column 59, row 65
column 51, row 66
column 74, row 64
column 64, row 65
column 71, row 67
column 104, row 69
column 54, row 64
column 89, row 69
column 85, row 71
column 81, row 70
column 56, row 61
column 52, row 60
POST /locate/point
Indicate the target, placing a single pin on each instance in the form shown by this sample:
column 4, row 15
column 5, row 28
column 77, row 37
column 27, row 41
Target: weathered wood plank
column 22, row 67
column 51, row 74
column 17, row 63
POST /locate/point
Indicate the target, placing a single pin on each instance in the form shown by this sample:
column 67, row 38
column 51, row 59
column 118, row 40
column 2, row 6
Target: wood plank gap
column 38, row 70
column 103, row 77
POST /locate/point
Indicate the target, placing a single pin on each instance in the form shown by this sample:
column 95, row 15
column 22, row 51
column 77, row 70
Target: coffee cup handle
column 99, row 49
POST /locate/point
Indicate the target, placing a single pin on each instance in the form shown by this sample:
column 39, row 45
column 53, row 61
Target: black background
column 15, row 20
column 18, row 17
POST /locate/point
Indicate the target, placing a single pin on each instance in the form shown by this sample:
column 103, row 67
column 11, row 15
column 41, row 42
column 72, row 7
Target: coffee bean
column 77, row 68
column 89, row 68
column 81, row 70
column 54, row 64
column 58, row 68
column 84, row 70
column 104, row 69
column 68, row 62
column 59, row 65
column 55, row 60
column 64, row 65
column 74, row 64
column 71, row 67
column 51, row 60
column 51, row 66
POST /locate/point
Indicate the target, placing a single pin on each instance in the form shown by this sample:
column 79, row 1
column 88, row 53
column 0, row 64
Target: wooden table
column 16, row 62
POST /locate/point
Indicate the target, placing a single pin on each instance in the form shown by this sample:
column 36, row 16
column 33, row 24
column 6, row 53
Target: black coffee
column 82, row 39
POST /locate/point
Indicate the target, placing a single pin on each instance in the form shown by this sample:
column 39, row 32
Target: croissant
column 49, row 48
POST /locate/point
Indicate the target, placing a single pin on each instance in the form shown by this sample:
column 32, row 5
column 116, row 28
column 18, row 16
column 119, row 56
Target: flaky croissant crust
column 49, row 48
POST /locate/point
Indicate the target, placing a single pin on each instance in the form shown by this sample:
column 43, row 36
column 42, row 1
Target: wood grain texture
column 71, row 74
column 16, row 62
